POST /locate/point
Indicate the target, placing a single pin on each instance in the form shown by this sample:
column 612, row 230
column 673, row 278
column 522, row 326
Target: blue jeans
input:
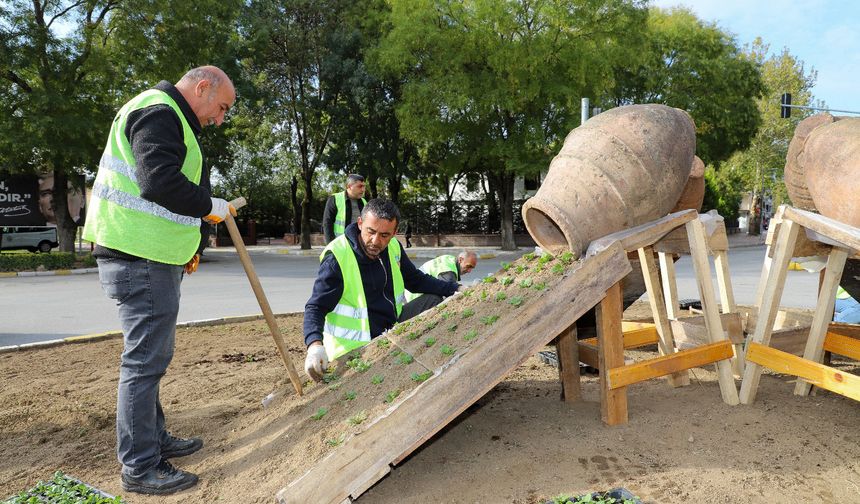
column 147, row 294
column 847, row 310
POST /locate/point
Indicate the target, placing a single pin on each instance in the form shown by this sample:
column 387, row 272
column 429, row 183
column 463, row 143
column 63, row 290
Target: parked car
column 34, row 239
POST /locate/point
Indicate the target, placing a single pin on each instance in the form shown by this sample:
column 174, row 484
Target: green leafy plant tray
column 63, row 489
column 614, row 496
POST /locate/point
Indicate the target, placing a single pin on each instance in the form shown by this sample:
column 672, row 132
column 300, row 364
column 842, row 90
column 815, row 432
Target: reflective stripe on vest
column 347, row 327
column 340, row 217
column 119, row 218
column 434, row 268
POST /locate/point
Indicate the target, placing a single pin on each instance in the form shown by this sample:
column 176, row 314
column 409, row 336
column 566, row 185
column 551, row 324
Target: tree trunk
column 372, row 188
column 294, row 201
column 504, row 184
column 492, row 206
column 394, row 188
column 306, row 212
column 66, row 227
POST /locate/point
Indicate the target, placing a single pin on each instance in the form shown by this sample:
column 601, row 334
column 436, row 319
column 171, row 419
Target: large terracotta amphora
column 622, row 168
column 795, row 177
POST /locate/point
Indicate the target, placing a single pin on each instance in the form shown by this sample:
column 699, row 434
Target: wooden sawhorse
column 836, row 240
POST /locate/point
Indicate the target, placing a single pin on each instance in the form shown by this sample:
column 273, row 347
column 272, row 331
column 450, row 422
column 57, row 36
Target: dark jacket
column 330, row 214
column 378, row 288
column 157, row 142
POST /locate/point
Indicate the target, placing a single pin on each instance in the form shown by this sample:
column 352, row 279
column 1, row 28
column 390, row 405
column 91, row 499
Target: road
column 51, row 307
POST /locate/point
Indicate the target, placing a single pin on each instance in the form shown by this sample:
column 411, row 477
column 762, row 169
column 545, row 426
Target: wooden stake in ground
column 261, row 296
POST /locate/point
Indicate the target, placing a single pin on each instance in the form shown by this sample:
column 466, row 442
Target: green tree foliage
column 695, row 66
column 498, row 82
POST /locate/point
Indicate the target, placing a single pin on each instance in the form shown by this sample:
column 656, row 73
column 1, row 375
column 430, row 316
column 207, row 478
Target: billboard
column 25, row 200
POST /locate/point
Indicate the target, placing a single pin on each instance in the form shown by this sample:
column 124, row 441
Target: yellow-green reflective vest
column 842, row 293
column 340, row 217
column 347, row 327
column 434, row 268
column 119, row 218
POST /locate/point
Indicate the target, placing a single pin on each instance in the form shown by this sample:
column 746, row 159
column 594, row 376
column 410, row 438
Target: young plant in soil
column 405, row 358
column 468, row 312
column 529, row 256
column 452, row 327
column 445, row 316
column 505, row 266
column 516, row 301
column 470, row 335
column 447, row 350
column 501, row 296
column 377, row 379
column 566, row 258
column 319, row 414
column 432, row 324
column 539, row 286
column 359, row 365
column 349, row 396
column 61, row 490
column 595, row 498
column 357, row 418
column 489, row 279
column 391, row 396
column 430, row 341
column 520, row 269
column 333, row 442
column 506, row 281
column 484, row 295
column 558, row 269
column 412, row 336
column 489, row 319
column 330, row 377
column 526, row 283
column 545, row 258
column 335, row 386
column 420, row 377
column 467, row 293
column 383, row 343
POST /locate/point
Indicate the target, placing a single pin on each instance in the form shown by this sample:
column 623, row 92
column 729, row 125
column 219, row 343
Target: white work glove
column 220, row 207
column 316, row 362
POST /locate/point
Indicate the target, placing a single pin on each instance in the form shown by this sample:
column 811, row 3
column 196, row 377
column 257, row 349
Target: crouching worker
column 360, row 288
column 447, row 267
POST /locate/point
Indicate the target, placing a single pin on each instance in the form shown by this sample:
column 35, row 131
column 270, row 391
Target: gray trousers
column 418, row 305
column 147, row 294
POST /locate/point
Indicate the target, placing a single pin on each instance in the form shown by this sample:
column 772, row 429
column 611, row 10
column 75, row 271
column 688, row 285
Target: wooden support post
column 670, row 285
column 658, row 309
column 727, row 303
column 769, row 295
column 567, row 349
column 613, row 403
column 823, row 312
column 702, row 268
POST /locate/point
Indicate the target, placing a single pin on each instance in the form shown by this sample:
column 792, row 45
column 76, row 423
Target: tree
column 499, row 82
column 694, row 66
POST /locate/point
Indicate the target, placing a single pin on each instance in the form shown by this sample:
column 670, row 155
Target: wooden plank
column 769, row 296
column 822, row 376
column 831, row 228
column 666, row 344
column 610, row 351
column 844, row 329
column 693, row 331
column 791, row 340
column 636, row 334
column 667, row 364
column 702, row 268
column 670, row 285
column 727, row 303
column 677, row 242
column 842, row 345
column 642, row 236
column 588, row 355
column 436, row 402
column 823, row 312
column 568, row 364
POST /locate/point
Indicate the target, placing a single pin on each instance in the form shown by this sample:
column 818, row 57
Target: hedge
column 52, row 261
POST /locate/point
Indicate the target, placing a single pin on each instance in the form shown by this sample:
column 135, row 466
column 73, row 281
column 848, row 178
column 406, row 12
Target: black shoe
column 178, row 447
column 160, row 480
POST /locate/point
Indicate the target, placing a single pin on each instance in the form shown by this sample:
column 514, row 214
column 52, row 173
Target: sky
column 824, row 34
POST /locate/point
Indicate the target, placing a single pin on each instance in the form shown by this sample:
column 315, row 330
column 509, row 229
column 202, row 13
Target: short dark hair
column 352, row 178
column 382, row 209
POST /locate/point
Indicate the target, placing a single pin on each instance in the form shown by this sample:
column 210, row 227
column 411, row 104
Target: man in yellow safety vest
column 448, row 267
column 343, row 208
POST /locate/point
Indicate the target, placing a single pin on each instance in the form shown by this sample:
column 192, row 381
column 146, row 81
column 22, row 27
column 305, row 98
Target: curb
column 90, row 338
column 59, row 272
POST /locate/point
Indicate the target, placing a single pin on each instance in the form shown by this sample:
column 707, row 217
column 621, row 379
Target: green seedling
column 330, row 377
column 333, row 442
column 506, row 281
column 505, row 266
column 358, row 365
column 566, row 258
column 501, row 296
column 538, row 268
column 399, row 329
column 335, row 386
column 489, row 319
column 452, row 327
column 418, row 378
column 61, row 489
column 430, row 341
column 597, row 498
column 391, row 396
column 545, row 258
column 319, row 414
column 521, row 268
column 516, row 301
column 394, row 353
column 446, row 315
column 468, row 312
column 558, row 269
column 412, row 336
column 529, row 256
column 484, row 295
column 447, row 350
column 349, row 396
column 539, row 286
column 357, row 418
column 489, row 279
column 526, row 283
column 355, row 354
column 432, row 324
column 470, row 334
column 383, row 343
column 467, row 293
column 377, row 379
column 405, row 359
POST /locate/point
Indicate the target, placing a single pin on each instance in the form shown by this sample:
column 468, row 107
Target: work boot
column 162, row 479
column 178, row 447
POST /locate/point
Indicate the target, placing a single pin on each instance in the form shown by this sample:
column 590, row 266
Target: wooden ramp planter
column 364, row 459
column 678, row 233
column 824, row 236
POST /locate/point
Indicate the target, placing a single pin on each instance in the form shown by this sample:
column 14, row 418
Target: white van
column 34, row 239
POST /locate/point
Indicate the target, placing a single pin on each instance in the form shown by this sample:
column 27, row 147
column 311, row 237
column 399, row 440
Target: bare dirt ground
column 518, row 444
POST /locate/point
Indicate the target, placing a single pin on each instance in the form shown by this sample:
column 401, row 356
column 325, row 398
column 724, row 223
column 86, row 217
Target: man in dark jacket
column 343, row 208
column 359, row 290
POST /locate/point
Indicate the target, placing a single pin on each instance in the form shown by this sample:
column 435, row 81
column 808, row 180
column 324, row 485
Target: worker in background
column 145, row 211
column 343, row 208
column 360, row 289
column 846, row 308
column 448, row 268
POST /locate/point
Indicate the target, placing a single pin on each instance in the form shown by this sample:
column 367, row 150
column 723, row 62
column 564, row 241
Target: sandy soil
column 518, row 444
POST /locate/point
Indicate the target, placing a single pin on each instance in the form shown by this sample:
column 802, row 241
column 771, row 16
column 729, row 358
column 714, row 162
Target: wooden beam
column 702, row 268
column 636, row 334
column 588, row 355
column 568, row 364
column 840, row 232
column 610, row 351
column 666, row 343
column 433, row 404
column 693, row 331
column 844, row 329
column 823, row 312
column 822, row 376
column 670, row 285
column 642, row 236
column 770, row 293
column 842, row 345
column 678, row 243
column 667, row 364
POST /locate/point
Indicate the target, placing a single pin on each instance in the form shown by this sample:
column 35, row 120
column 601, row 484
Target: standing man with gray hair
column 343, row 208
column 149, row 198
